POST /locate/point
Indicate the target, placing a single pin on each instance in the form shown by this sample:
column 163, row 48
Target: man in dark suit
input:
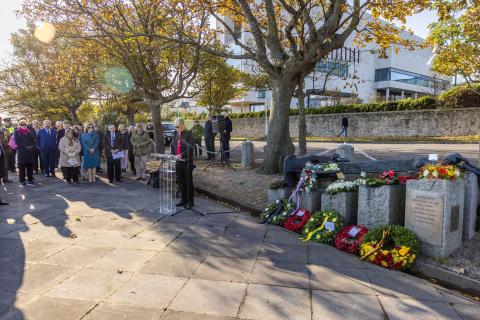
column 47, row 144
column 182, row 146
column 113, row 142
column 100, row 145
column 209, row 138
column 225, row 136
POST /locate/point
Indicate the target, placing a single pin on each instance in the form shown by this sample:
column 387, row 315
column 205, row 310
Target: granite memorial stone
column 471, row 205
column 434, row 211
column 381, row 205
column 311, row 200
column 345, row 203
column 278, row 194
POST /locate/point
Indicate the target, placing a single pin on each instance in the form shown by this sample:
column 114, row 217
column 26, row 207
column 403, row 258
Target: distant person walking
column 26, row 144
column 225, row 136
column 209, row 138
column 197, row 131
column 344, row 127
column 140, row 142
column 47, row 143
column 91, row 154
column 70, row 148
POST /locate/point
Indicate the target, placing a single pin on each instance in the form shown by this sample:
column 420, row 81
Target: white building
column 353, row 75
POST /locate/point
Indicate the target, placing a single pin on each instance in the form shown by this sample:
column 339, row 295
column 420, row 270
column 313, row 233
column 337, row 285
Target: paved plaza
column 96, row 251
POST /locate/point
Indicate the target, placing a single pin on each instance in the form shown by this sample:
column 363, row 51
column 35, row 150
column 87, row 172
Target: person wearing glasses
column 91, row 155
column 113, row 142
column 26, row 144
column 182, row 146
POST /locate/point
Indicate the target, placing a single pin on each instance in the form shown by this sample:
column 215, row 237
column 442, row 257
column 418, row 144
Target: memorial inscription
column 424, row 215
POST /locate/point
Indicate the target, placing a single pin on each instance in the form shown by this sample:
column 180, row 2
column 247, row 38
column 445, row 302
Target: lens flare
column 45, row 32
column 119, row 79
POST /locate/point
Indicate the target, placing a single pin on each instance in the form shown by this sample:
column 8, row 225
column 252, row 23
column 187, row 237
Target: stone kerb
column 345, row 203
column 434, row 211
column 381, row 205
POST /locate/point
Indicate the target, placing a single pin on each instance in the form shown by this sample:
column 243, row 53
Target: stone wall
column 421, row 123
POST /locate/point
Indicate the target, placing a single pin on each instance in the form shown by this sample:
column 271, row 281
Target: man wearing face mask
column 140, row 142
column 182, row 146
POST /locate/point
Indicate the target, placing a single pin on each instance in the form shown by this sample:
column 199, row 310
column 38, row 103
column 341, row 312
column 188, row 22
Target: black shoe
column 53, row 175
column 47, row 175
column 111, row 181
column 181, row 204
column 3, row 203
column 69, row 181
column 119, row 180
column 30, row 183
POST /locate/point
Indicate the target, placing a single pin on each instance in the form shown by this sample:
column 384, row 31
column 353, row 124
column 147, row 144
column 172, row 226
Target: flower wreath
column 440, row 171
column 350, row 237
column 297, row 220
column 390, row 246
column 277, row 212
column 322, row 226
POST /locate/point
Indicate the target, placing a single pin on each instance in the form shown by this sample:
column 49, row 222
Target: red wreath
column 345, row 242
column 297, row 220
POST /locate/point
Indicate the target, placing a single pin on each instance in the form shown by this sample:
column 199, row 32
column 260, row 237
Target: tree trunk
column 302, row 124
column 131, row 116
column 279, row 144
column 155, row 111
column 73, row 114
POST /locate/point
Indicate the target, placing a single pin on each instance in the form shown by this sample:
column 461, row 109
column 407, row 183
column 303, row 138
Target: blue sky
column 9, row 23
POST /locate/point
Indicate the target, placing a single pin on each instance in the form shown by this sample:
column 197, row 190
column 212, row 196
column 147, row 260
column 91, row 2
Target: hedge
column 462, row 96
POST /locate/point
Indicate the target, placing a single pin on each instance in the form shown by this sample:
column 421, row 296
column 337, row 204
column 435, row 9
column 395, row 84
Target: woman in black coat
column 26, row 144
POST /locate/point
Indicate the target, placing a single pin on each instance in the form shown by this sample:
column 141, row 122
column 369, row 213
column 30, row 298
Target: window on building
column 392, row 74
column 333, row 66
column 261, row 93
column 237, row 31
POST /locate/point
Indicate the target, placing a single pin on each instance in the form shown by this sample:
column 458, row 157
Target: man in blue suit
column 47, row 144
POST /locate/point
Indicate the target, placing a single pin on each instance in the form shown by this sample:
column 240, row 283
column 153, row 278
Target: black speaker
column 218, row 124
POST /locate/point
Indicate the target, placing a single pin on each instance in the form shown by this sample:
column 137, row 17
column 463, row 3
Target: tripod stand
column 223, row 159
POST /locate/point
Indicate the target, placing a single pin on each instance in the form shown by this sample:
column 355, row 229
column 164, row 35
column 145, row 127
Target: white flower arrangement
column 326, row 167
column 343, row 186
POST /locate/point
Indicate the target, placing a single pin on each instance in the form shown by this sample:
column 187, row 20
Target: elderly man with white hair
column 182, row 146
column 47, row 144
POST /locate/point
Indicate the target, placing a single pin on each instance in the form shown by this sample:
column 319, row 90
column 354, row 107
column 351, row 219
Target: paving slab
column 47, row 308
column 225, row 269
column 405, row 309
column 233, row 249
column 89, row 284
column 77, row 255
column 340, row 305
column 340, row 279
column 210, row 297
column 282, row 236
column 324, row 255
column 284, row 252
column 173, row 264
column 468, row 312
column 285, row 274
column 180, row 315
column 123, row 259
column 271, row 303
column 106, row 311
column 148, row 290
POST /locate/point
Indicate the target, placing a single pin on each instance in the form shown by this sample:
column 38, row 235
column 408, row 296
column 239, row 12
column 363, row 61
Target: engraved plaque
column 424, row 215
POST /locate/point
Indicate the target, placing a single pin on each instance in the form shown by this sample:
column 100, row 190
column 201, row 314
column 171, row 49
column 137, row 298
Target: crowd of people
column 35, row 147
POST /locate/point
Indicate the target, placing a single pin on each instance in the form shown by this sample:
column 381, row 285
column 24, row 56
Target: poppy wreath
column 323, row 226
column 350, row 238
column 390, row 246
column 297, row 220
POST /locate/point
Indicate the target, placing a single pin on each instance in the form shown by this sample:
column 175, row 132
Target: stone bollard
column 471, row 204
column 434, row 211
column 381, row 205
column 248, row 156
column 345, row 151
column 278, row 194
column 345, row 203
column 312, row 201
